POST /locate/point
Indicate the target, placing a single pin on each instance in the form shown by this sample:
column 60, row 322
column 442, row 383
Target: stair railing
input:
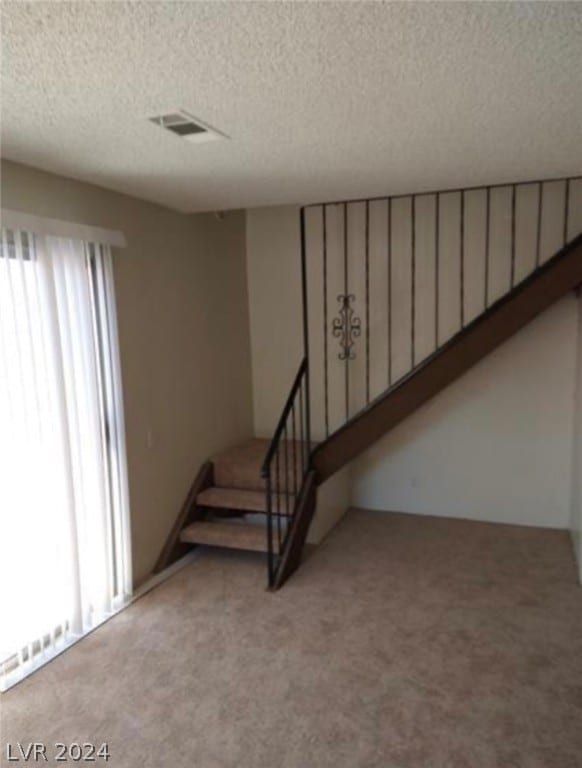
column 356, row 358
column 285, row 468
column 402, row 297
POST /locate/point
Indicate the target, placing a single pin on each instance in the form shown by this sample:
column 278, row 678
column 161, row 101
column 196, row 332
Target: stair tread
column 239, row 499
column 230, row 535
column 240, row 466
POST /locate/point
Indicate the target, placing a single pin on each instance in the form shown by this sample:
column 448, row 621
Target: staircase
column 227, row 505
column 227, row 490
column 261, row 495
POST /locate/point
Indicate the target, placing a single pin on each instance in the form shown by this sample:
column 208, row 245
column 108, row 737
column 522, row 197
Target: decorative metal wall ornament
column 346, row 327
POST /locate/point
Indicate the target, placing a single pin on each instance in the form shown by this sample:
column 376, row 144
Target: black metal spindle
column 294, row 440
column 278, row 500
column 367, row 264
column 347, row 360
column 270, row 554
column 306, row 370
column 413, row 279
column 307, row 441
column 487, row 244
column 325, row 342
column 566, row 210
column 462, row 260
column 286, row 439
column 512, row 275
column 437, row 245
column 389, row 258
column 539, row 222
column 301, row 435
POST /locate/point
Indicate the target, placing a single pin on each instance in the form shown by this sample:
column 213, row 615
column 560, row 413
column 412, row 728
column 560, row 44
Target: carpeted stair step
column 240, row 467
column 242, row 500
column 230, row 535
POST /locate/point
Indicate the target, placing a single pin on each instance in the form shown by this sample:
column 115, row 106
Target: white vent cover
column 187, row 127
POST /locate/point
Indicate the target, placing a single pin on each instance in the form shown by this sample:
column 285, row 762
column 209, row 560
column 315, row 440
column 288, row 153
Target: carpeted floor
column 403, row 642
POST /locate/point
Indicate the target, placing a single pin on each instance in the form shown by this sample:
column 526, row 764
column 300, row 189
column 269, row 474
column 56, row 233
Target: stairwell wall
column 182, row 308
column 496, row 445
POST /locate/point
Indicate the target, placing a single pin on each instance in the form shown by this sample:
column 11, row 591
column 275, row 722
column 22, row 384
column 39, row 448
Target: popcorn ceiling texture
column 322, row 100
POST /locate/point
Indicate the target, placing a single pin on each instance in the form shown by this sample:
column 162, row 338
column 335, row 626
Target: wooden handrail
column 549, row 282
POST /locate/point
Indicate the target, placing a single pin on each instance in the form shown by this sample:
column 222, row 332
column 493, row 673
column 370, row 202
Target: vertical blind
column 64, row 530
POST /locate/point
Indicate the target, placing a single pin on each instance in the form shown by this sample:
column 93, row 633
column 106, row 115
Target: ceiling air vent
column 187, row 127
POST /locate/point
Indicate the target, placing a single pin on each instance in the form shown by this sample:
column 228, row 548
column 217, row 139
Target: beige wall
column 495, row 445
column 333, row 501
column 274, row 280
column 184, row 337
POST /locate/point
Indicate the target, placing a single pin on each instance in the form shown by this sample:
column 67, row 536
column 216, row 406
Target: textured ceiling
column 321, row 100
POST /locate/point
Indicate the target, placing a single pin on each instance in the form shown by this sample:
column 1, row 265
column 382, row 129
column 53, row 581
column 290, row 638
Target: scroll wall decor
column 346, row 327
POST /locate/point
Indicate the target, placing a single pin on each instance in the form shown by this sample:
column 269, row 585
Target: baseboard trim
column 10, row 679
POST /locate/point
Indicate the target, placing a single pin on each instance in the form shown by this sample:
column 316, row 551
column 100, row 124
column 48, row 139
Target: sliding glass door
column 64, row 529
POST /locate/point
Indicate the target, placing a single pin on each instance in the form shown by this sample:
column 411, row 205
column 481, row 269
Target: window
column 64, row 527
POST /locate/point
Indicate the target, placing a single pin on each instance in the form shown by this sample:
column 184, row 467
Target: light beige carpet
column 403, row 642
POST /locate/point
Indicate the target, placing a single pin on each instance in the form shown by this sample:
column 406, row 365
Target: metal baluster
column 301, row 417
column 294, row 437
column 389, row 257
column 305, row 335
column 462, row 258
column 307, row 430
column 512, row 277
column 539, row 222
column 325, row 342
column 487, row 244
column 413, row 280
column 367, row 258
column 347, row 361
column 286, row 473
column 437, row 246
column 566, row 210
column 278, row 499
column 270, row 557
